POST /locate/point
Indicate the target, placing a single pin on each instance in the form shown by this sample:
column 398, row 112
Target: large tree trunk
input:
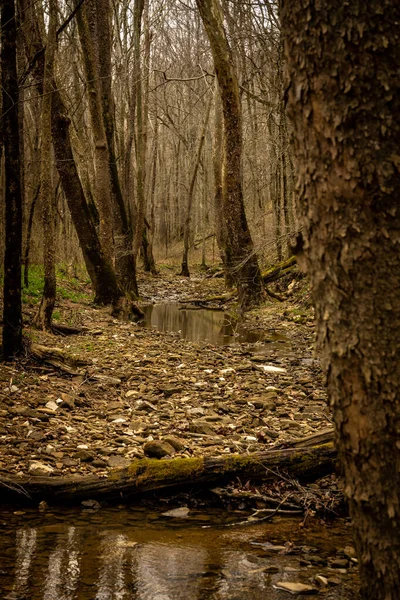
column 344, row 96
column 239, row 250
column 47, row 195
column 12, row 311
column 100, row 22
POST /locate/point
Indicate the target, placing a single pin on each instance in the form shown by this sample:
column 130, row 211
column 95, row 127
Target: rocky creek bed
column 135, row 391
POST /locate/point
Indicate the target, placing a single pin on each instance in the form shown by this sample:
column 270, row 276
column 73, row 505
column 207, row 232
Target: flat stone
column 294, row 587
column 84, row 456
column 200, row 427
column 177, row 513
column 38, row 468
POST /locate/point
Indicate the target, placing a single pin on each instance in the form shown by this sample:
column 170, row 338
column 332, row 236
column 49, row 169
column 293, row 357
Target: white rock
column 293, row 587
column 38, row 468
column 272, row 369
column 82, row 447
column 52, row 405
column 178, row 513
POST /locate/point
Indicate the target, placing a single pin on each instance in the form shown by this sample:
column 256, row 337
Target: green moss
column 151, row 470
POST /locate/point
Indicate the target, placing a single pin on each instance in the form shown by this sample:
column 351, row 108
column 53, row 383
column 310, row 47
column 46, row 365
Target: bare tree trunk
column 344, row 97
column 101, row 155
column 220, row 228
column 186, row 233
column 241, row 258
column 47, row 196
column 29, row 236
column 12, row 311
column 100, row 270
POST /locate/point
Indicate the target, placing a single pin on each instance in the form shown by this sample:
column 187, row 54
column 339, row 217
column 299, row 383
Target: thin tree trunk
column 344, row 99
column 186, row 232
column 29, row 236
column 241, row 258
column 47, row 196
column 12, row 311
column 141, row 125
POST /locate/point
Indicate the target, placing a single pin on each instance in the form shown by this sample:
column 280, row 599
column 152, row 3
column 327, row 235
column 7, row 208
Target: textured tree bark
column 344, row 99
column 102, row 186
column 239, row 250
column 12, row 311
column 48, row 200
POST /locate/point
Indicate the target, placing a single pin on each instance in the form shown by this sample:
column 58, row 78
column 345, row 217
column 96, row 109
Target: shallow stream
column 138, row 554
column 203, row 325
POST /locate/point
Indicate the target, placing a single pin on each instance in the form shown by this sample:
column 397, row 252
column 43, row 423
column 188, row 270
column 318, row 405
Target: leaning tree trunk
column 240, row 255
column 344, row 96
column 12, row 311
column 100, row 270
column 47, row 196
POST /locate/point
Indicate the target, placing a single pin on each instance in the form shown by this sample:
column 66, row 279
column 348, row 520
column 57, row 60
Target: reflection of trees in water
column 26, row 548
column 166, row 572
column 193, row 325
column 107, row 565
column 64, row 569
column 114, row 577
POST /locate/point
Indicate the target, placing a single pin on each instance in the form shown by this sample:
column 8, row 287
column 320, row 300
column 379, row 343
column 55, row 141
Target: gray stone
column 117, row 462
column 176, row 443
column 201, row 427
column 158, row 449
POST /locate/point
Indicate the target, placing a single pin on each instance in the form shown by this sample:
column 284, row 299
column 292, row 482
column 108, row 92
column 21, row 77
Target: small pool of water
column 202, row 325
column 136, row 554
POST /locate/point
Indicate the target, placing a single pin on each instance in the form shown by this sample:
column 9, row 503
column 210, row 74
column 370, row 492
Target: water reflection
column 119, row 556
column 213, row 326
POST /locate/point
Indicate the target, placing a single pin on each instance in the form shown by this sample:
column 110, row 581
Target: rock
column 93, row 504
column 51, row 405
column 158, row 449
column 270, row 369
column 177, row 444
column 178, row 513
column 38, row 468
column 67, row 402
column 350, row 552
column 321, row 580
column 118, row 462
column 200, row 427
column 294, row 587
column 340, row 563
column 170, row 390
column 99, row 463
column 84, row 456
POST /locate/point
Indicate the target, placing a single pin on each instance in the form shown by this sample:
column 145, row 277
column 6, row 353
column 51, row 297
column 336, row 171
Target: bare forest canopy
column 135, row 84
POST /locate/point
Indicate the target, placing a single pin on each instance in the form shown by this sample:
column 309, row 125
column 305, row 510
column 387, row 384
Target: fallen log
column 149, row 475
column 279, row 270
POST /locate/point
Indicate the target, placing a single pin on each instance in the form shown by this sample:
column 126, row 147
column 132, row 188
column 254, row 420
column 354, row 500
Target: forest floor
column 131, row 384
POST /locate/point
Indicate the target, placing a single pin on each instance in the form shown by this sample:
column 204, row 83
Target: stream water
column 202, row 325
column 137, row 554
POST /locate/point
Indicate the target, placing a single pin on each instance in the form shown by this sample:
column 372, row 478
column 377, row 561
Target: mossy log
column 149, row 475
column 279, row 270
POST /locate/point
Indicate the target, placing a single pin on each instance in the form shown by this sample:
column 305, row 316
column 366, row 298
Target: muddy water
column 123, row 554
column 213, row 326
